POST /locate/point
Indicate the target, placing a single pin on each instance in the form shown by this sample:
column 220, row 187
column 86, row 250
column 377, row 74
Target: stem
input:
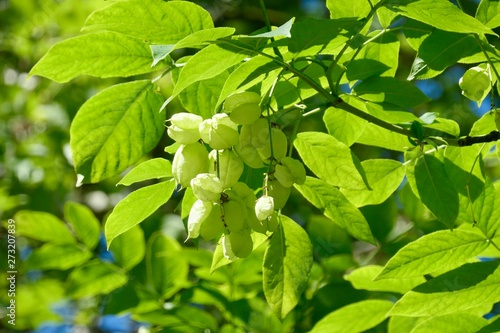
column 487, row 57
column 268, row 26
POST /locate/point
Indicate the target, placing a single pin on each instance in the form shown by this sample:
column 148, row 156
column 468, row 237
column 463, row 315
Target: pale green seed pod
column 290, row 171
column 280, row 145
column 204, row 129
column 235, row 215
column 245, row 193
column 213, row 226
column 197, row 215
column 272, row 222
column 246, row 114
column 241, row 243
column 184, row 128
column 240, row 98
column 246, row 151
column 230, row 167
column 227, row 250
column 224, row 132
column 279, row 193
column 206, row 187
column 264, row 207
column 255, row 224
column 189, row 160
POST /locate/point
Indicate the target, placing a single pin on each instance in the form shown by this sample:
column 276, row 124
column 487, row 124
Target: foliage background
column 37, row 174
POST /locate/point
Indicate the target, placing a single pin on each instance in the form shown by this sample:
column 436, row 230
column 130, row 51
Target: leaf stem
column 268, row 26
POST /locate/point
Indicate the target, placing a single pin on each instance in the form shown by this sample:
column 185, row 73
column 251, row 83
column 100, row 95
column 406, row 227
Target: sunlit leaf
column 439, row 250
column 286, row 266
column 136, row 207
column 154, row 168
column 354, row 318
column 115, row 128
column 336, row 207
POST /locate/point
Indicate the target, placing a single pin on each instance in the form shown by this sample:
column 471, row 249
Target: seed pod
column 206, row 187
column 227, row 250
column 230, row 167
column 246, row 114
column 264, row 207
column 197, row 215
column 189, row 160
column 241, row 243
column 272, row 222
column 290, row 171
column 280, row 146
column 245, row 193
column 224, row 132
column 235, row 215
column 212, row 227
column 184, row 128
column 237, row 99
column 246, row 151
column 279, row 193
column 255, row 224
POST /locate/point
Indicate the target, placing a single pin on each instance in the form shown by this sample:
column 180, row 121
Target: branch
column 471, row 140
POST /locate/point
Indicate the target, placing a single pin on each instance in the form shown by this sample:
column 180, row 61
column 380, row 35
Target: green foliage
column 390, row 228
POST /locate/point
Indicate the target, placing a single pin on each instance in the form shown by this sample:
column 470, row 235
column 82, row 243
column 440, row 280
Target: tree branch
column 471, row 140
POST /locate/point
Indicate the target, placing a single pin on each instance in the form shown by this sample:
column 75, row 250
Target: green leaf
column 334, row 34
column 440, row 14
column 330, row 159
column 218, row 259
column 452, row 323
column 344, row 126
column 155, row 168
column 484, row 125
column 361, row 69
column 465, row 288
column 493, row 326
column 377, row 136
column 281, row 31
column 441, row 50
column 444, row 125
column 58, row 256
column 207, row 63
column 354, row 8
column 354, row 318
column 136, row 207
column 157, row 22
column 101, row 54
column 196, row 39
column 129, row 248
column 416, row 32
column 95, row 278
column 487, row 210
column 476, row 84
column 115, row 128
column 383, row 176
column 167, row 267
column 436, row 189
column 248, row 74
column 398, row 324
column 201, row 97
column 84, row 223
column 286, row 266
column 463, row 165
column 363, row 278
column 440, row 250
column 42, row 226
column 382, row 53
column 488, row 12
column 390, row 90
column 336, row 207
